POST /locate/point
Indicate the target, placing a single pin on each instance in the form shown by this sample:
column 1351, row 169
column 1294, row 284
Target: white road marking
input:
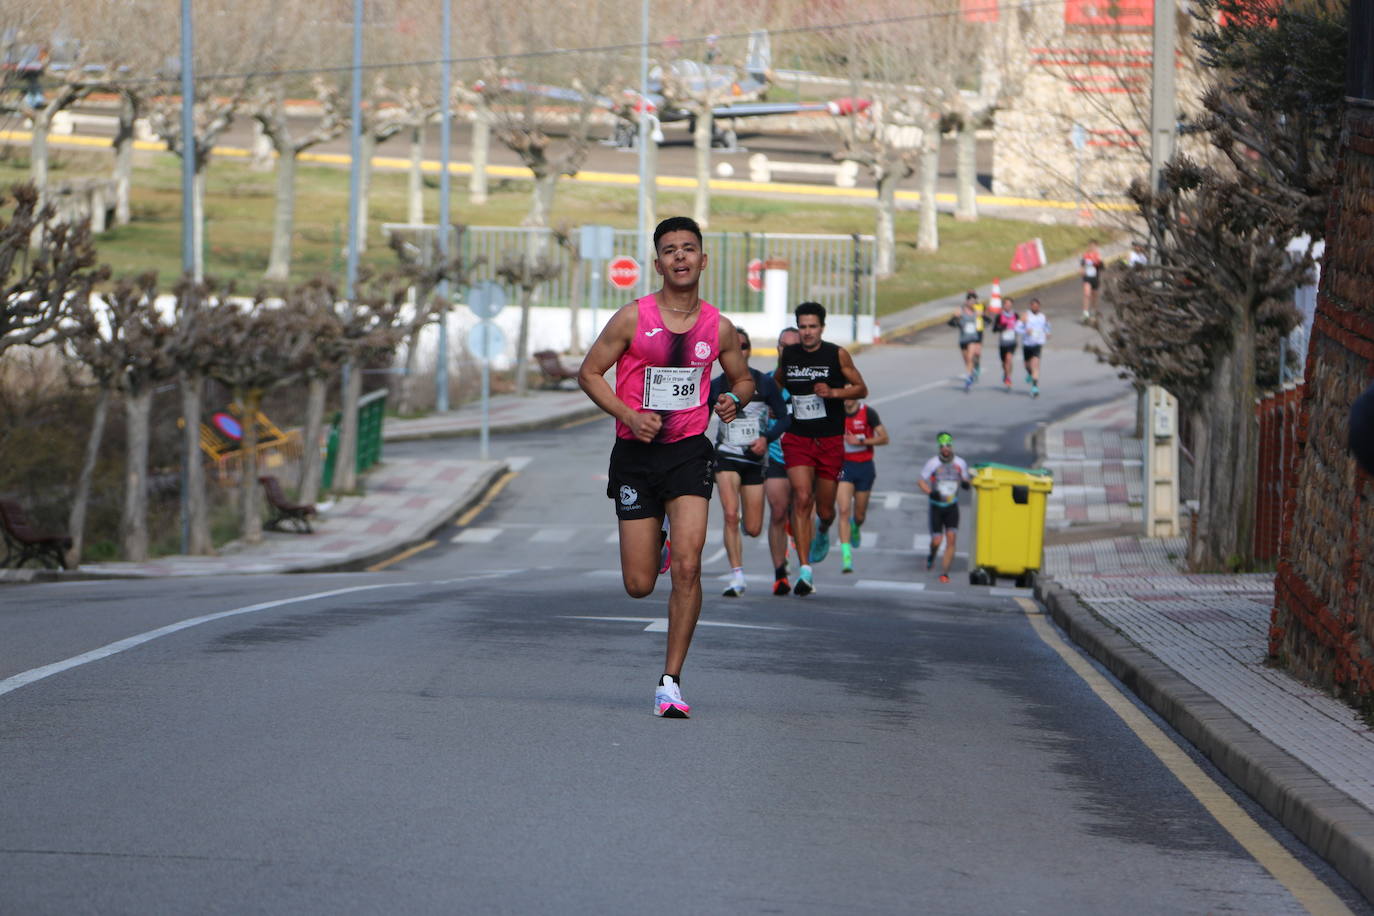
column 1013, row 592
column 520, row 462
column 890, row 586
column 660, row 624
column 552, row 535
column 890, row 501
column 938, row 383
column 476, row 536
column 714, row 558
column 24, row 678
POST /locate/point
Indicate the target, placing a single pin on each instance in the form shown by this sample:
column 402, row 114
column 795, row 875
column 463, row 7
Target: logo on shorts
column 703, row 349
column 629, row 497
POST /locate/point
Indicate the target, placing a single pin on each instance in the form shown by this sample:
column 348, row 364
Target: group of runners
column 801, row 438
column 1030, row 330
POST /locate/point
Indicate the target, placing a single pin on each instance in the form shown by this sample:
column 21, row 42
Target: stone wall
column 1095, row 75
column 1323, row 620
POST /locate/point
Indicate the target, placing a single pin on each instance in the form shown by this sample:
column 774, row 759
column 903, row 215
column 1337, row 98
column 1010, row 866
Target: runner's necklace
column 682, row 311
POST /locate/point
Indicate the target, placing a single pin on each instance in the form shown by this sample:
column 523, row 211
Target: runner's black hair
column 673, row 224
column 810, row 308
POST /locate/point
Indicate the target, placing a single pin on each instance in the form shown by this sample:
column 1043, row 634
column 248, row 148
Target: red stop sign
column 756, row 275
column 623, row 272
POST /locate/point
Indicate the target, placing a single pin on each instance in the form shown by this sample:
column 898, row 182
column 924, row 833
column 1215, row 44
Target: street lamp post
column 644, row 140
column 445, row 139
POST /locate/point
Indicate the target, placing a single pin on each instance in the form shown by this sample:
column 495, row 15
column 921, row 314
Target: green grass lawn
column 240, row 203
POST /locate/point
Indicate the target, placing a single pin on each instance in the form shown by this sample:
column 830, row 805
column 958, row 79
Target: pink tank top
column 669, row 373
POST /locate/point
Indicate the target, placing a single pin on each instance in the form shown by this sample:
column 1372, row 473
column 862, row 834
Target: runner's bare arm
column 855, row 390
column 879, row 436
column 610, row 345
column 737, row 376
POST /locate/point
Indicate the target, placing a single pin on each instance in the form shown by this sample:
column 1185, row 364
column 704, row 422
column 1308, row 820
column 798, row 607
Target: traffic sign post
column 486, row 341
column 623, row 272
column 755, row 275
column 596, row 244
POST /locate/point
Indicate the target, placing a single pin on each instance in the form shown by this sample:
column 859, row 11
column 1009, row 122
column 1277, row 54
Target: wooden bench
column 553, row 370
column 283, row 511
column 23, row 542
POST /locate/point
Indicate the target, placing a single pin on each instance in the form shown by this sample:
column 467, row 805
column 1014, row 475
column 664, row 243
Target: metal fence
column 834, row 270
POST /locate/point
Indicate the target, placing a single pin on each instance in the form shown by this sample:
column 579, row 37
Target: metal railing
column 834, row 270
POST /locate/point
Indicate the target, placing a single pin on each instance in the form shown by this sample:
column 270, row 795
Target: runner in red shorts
column 819, row 376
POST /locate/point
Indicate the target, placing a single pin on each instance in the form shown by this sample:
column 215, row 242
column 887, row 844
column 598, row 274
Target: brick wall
column 1323, row 619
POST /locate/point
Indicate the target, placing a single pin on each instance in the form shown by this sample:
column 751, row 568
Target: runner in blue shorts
column 863, row 431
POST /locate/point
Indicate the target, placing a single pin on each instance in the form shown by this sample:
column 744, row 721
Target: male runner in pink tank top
column 663, row 347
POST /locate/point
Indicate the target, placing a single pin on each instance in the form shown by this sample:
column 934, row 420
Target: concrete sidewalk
column 1194, row 647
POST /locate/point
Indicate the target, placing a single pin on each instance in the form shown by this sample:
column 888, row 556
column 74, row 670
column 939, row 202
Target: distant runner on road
column 1034, row 328
column 778, row 488
column 969, row 323
column 863, row 431
column 662, row 347
column 820, row 376
column 741, row 453
column 941, row 478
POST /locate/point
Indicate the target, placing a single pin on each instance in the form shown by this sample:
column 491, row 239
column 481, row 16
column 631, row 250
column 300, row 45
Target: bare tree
column 262, row 347
column 97, row 339
column 314, row 303
column 269, row 110
column 425, row 268
column 195, row 347
column 40, row 286
column 526, row 272
column 369, row 330
column 551, row 136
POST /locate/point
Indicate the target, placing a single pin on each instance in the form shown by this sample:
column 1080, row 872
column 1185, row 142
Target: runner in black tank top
column 819, row 376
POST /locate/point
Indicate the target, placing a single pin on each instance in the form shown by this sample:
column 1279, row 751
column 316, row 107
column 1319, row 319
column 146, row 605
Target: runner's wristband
column 735, row 396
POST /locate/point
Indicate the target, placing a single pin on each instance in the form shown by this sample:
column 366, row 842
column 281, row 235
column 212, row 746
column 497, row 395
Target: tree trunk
column 405, row 404
column 701, row 139
column 124, row 159
column 541, row 207
column 885, row 255
column 346, row 461
column 415, row 209
column 1226, row 469
column 966, row 173
column 133, row 523
column 197, row 512
column 76, row 521
column 283, row 218
column 481, row 149
column 927, row 227
column 368, row 149
column 311, row 463
column 522, row 343
column 38, row 152
column 251, row 507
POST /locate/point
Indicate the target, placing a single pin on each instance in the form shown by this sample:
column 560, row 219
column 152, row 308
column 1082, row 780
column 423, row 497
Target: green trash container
column 1011, row 522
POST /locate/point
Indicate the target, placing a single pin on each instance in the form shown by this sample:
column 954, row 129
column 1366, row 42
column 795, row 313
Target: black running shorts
column 750, row 472
column 944, row 518
column 775, row 470
column 643, row 476
column 1030, row 351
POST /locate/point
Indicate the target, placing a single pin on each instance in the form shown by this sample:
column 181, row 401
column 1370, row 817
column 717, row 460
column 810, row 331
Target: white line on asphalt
column 660, row 624
column 520, row 462
column 938, row 383
column 14, row 682
column 552, row 535
column 888, row 585
column 714, row 558
column 476, row 536
column 1310, row 892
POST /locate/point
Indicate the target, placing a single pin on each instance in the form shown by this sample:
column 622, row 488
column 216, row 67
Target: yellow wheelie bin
column 1011, row 523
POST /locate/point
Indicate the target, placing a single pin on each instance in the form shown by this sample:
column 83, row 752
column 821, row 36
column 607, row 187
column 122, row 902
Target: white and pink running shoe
column 668, row 700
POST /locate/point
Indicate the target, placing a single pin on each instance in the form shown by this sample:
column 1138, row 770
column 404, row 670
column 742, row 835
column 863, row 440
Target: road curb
column 360, row 562
column 1332, row 824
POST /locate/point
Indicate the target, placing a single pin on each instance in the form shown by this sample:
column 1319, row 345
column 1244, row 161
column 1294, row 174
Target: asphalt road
column 470, row 730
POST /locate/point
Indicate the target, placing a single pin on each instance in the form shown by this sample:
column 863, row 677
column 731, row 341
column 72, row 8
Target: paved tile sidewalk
column 405, row 500
column 1209, row 630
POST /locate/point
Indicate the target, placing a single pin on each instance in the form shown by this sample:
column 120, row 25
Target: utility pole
column 445, row 139
column 1163, row 105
